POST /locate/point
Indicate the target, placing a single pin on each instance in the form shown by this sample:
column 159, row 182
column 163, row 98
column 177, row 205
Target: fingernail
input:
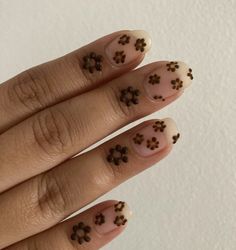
column 154, row 137
column 167, row 80
column 112, row 217
column 127, row 47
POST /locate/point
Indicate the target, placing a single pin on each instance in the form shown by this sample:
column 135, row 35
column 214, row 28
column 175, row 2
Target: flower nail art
column 177, row 84
column 124, row 39
column 154, row 137
column 99, row 219
column 81, row 233
column 129, row 96
column 92, row 62
column 119, row 206
column 120, row 220
column 159, row 126
column 112, row 217
column 172, row 66
column 127, row 48
column 175, row 138
column 118, row 155
column 154, row 79
column 140, row 44
column 189, row 74
column 119, row 57
column 152, row 143
column 159, row 97
column 138, row 139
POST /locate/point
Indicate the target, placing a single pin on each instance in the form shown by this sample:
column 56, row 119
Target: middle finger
column 57, row 133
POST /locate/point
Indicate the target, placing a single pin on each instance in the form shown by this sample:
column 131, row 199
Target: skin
column 49, row 114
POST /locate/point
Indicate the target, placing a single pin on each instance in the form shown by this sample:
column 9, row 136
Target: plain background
column 187, row 201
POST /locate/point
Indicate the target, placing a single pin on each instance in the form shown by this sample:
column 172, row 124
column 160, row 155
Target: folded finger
column 70, row 75
column 90, row 230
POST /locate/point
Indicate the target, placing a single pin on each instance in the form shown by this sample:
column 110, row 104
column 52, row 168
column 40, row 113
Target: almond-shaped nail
column 155, row 136
column 112, row 217
column 167, row 80
column 126, row 47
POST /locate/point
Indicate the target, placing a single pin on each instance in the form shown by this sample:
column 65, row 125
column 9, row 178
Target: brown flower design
column 119, row 57
column 159, row 97
column 177, row 84
column 140, row 44
column 129, row 96
column 124, row 39
column 138, row 139
column 172, row 66
column 190, row 74
column 99, row 219
column 175, row 138
column 119, row 206
column 159, row 126
column 92, row 62
column 120, row 220
column 154, row 79
column 118, row 155
column 152, row 143
column 81, row 233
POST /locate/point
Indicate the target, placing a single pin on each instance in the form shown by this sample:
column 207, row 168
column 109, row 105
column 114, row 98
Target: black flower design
column 172, row 66
column 175, row 138
column 177, row 84
column 152, row 143
column 120, row 220
column 92, row 62
column 118, row 155
column 124, row 39
column 154, row 79
column 190, row 74
column 159, row 126
column 138, row 139
column 81, row 233
column 119, row 57
column 119, row 206
column 99, row 219
column 140, row 44
column 129, row 96
column 159, row 97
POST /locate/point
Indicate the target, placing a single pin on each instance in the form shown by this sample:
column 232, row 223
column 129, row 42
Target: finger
column 90, row 230
column 70, row 75
column 48, row 198
column 54, row 135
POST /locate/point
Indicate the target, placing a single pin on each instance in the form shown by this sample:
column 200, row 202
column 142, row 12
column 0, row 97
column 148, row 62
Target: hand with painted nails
column 51, row 113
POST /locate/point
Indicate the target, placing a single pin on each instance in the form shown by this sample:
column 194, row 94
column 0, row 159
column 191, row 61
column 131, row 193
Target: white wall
column 188, row 201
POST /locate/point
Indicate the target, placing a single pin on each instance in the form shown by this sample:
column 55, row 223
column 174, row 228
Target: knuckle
column 28, row 90
column 52, row 198
column 52, row 132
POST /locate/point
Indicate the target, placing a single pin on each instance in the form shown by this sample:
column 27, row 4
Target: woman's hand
column 51, row 112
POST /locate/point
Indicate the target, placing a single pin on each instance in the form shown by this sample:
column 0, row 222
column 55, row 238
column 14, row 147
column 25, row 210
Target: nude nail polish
column 126, row 47
column 112, row 217
column 167, row 80
column 154, row 137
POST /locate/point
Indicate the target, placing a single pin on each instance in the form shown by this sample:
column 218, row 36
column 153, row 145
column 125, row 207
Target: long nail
column 154, row 137
column 112, row 217
column 127, row 47
column 168, row 80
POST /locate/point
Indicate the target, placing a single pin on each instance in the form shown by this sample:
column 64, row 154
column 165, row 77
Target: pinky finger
column 90, row 230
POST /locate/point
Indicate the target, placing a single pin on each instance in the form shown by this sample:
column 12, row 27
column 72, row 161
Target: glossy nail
column 167, row 80
column 112, row 217
column 154, row 137
column 127, row 47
